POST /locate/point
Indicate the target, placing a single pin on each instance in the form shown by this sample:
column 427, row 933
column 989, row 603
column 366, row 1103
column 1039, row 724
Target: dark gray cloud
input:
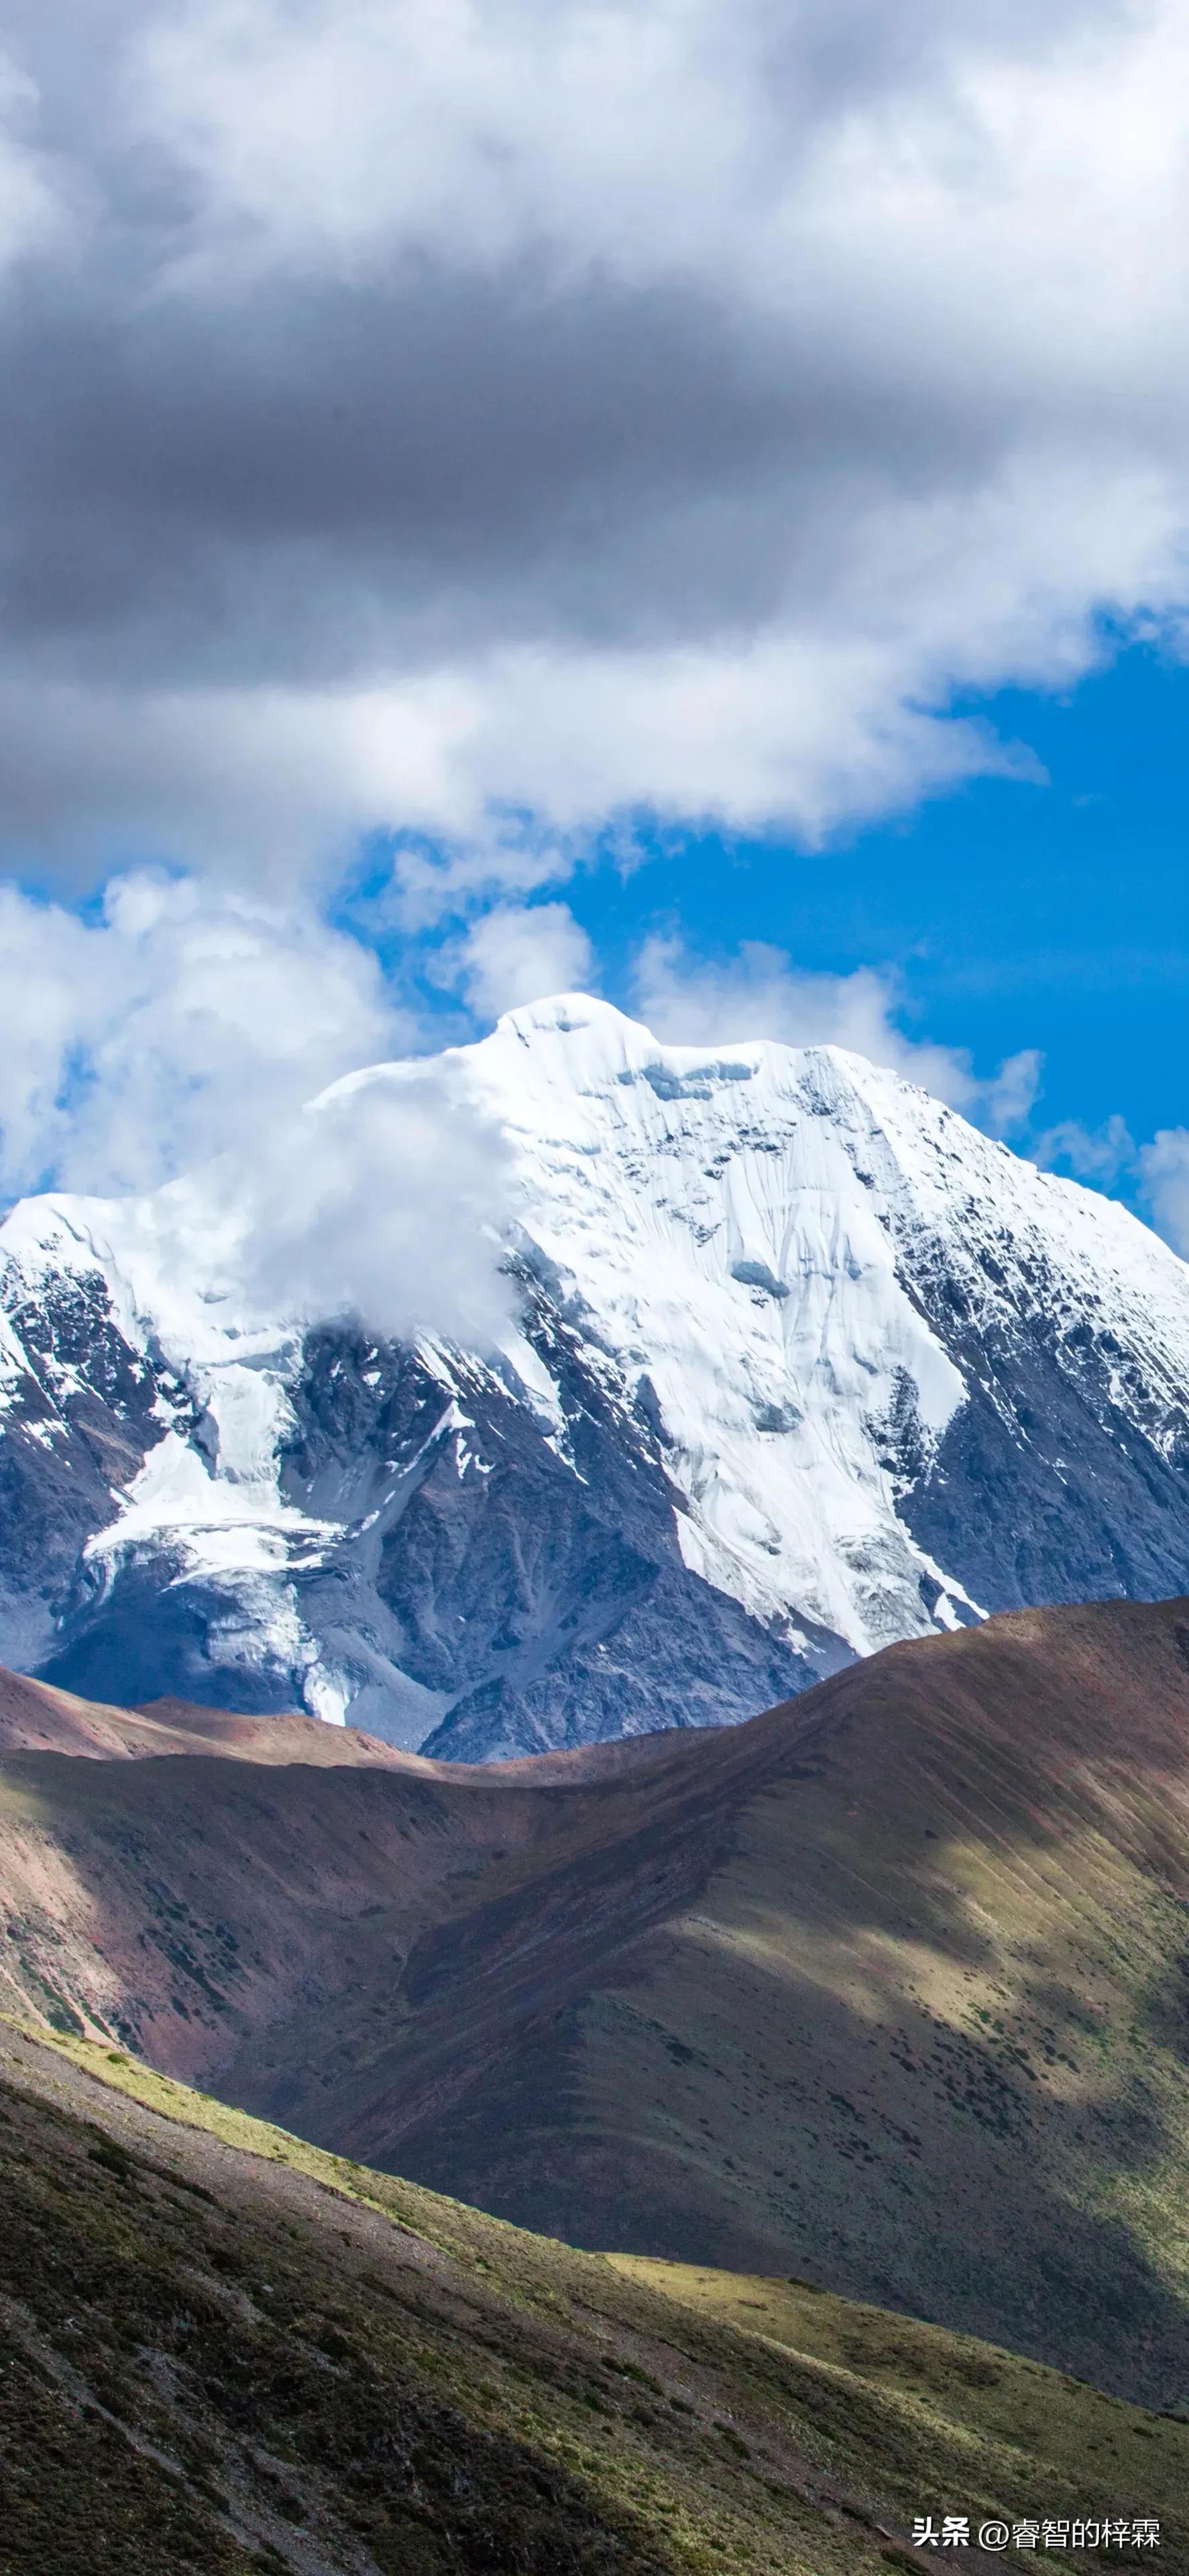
column 441, row 464
column 405, row 409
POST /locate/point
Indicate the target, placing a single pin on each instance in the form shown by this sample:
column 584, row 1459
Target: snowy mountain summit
column 796, row 1363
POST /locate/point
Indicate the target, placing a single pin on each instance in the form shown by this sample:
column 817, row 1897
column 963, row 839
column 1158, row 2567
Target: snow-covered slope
column 804, row 1363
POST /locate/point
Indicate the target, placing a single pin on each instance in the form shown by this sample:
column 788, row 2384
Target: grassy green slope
column 226, row 2351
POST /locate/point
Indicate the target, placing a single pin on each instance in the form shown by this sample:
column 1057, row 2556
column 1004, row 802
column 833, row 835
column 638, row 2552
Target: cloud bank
column 413, row 416
column 187, row 1034
column 146, row 1040
column 387, row 1199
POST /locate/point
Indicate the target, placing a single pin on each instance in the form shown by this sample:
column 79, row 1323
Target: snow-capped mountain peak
column 797, row 1362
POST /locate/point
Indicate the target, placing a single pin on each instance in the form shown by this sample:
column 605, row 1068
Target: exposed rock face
column 83, row 1403
column 804, row 1364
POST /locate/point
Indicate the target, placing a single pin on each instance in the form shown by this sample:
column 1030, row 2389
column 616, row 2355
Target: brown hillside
column 886, row 1989
column 37, row 1717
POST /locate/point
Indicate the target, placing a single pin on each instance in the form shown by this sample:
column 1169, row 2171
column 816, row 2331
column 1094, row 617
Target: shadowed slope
column 226, row 2351
column 890, row 1990
column 886, row 1988
column 258, row 1870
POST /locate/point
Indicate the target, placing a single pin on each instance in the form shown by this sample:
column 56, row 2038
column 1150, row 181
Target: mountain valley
column 884, row 1988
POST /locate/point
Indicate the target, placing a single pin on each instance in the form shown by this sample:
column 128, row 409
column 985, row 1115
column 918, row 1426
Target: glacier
column 797, row 1362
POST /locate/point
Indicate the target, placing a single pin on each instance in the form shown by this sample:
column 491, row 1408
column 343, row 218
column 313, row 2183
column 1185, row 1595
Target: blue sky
column 1052, row 914
column 1041, row 913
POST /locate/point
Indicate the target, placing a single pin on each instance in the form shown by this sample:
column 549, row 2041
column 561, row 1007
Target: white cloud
column 147, row 1040
column 387, row 1198
column 518, row 953
column 1099, row 1154
column 767, row 149
column 559, row 409
column 1164, row 1176
column 760, row 993
column 792, row 727
column 1005, row 1102
column 191, row 1032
